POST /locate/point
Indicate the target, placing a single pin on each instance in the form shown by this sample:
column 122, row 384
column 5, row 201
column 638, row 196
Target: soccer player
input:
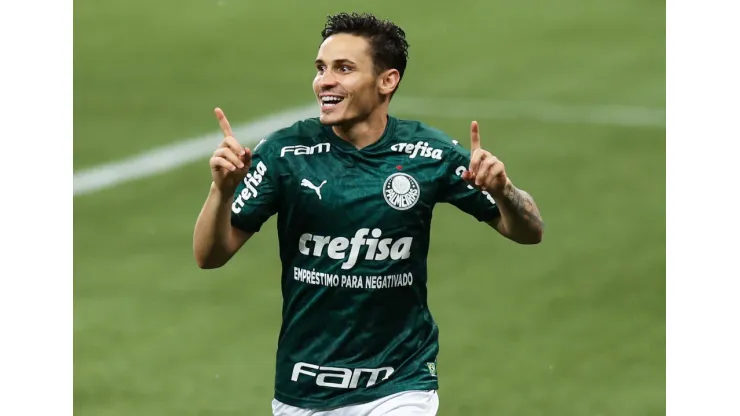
column 354, row 190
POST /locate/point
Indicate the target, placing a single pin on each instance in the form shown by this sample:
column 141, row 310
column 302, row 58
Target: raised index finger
column 474, row 136
column 223, row 122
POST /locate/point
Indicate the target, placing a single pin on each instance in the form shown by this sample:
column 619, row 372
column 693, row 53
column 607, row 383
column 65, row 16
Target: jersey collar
column 347, row 146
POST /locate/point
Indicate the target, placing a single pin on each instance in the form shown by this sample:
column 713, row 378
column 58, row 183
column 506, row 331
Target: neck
column 365, row 132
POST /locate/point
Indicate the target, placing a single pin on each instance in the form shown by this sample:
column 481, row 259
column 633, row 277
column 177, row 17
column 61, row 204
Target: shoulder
column 300, row 132
column 413, row 131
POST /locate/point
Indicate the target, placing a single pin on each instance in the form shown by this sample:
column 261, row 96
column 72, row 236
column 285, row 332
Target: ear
column 388, row 81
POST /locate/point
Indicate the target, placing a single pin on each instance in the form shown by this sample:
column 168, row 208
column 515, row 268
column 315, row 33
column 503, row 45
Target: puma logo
column 317, row 189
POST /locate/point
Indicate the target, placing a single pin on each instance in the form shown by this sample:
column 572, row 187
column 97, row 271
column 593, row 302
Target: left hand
column 486, row 171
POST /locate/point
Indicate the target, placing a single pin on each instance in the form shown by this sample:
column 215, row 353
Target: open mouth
column 330, row 101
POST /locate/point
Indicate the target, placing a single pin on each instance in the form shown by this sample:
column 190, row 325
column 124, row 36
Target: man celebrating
column 354, row 191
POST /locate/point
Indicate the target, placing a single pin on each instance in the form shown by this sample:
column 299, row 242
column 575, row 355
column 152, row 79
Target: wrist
column 223, row 196
column 504, row 192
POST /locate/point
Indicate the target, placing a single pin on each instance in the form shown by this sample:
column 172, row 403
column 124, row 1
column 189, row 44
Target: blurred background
column 570, row 94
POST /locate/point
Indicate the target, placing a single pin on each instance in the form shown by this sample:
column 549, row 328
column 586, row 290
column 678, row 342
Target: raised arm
column 520, row 219
column 215, row 241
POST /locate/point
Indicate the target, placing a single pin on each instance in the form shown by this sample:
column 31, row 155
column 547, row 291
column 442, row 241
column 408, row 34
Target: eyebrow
column 338, row 61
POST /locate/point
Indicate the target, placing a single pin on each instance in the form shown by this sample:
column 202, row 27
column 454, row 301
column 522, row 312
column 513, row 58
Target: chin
column 331, row 119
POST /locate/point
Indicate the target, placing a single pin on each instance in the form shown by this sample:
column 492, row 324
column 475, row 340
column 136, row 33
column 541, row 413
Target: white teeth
column 331, row 100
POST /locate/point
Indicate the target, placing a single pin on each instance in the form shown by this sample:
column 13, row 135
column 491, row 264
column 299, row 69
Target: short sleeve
column 459, row 193
column 255, row 199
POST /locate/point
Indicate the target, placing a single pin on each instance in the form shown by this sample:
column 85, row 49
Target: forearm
column 212, row 245
column 520, row 218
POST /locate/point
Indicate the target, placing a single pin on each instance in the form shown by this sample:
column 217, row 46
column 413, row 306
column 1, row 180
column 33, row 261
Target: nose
column 327, row 80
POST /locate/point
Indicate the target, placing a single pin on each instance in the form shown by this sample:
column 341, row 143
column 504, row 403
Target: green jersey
column 354, row 229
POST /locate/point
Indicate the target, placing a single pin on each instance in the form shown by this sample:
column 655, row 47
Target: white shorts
column 412, row 403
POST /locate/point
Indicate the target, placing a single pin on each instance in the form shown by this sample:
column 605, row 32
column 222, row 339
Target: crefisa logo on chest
column 401, row 191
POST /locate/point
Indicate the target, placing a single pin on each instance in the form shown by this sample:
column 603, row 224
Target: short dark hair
column 387, row 41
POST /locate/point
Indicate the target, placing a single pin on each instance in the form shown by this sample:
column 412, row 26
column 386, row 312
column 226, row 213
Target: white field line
column 605, row 115
column 170, row 157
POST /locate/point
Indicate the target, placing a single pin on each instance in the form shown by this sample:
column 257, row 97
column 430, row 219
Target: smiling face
column 347, row 84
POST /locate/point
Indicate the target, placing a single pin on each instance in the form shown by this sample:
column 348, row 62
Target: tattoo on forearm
column 523, row 204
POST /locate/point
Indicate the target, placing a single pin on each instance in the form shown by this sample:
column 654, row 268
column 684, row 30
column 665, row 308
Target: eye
column 320, row 68
column 344, row 68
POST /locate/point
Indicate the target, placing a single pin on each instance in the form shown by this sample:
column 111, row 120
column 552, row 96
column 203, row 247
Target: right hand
column 230, row 162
